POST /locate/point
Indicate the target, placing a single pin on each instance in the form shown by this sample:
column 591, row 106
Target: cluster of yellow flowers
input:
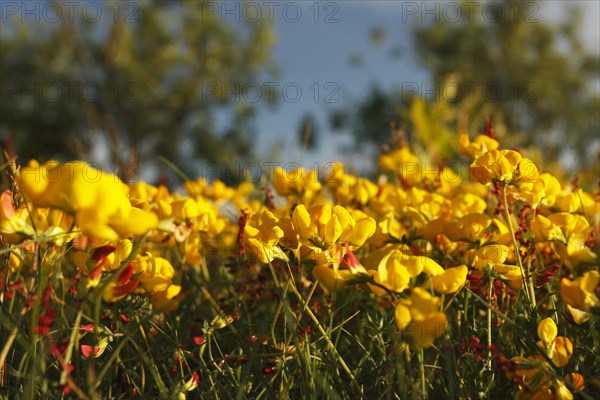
column 534, row 374
column 413, row 236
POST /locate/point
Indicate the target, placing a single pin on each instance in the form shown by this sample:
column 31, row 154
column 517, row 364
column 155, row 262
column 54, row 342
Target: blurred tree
column 308, row 132
column 370, row 119
column 535, row 77
column 537, row 80
column 170, row 78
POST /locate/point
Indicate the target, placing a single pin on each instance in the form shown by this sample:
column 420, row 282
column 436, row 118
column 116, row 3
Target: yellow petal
column 358, row 235
column 423, row 303
column 491, row 254
column 450, row 280
column 543, row 229
column 136, row 223
column 402, row 316
column 563, row 349
column 302, row 222
column 165, row 300
column 333, row 230
column 423, row 333
column 331, row 280
column 547, row 331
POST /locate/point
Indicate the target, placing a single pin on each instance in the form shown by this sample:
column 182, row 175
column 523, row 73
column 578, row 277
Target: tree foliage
column 148, row 76
column 534, row 78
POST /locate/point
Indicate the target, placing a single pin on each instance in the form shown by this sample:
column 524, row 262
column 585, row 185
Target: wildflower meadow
column 471, row 278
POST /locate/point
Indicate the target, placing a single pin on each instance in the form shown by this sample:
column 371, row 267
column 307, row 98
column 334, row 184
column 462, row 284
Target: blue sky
column 313, row 54
column 316, row 57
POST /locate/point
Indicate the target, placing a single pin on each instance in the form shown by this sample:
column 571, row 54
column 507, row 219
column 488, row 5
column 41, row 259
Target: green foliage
column 151, row 76
column 535, row 80
column 534, row 77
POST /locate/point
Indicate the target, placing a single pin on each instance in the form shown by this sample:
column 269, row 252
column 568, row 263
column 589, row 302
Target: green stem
column 39, row 287
column 489, row 323
column 504, row 316
column 422, row 372
column 69, row 353
column 317, row 323
column 528, row 288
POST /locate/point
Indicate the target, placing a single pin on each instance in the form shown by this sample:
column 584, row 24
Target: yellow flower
column 493, row 256
column 156, row 272
column 576, row 315
column 470, row 228
column 420, row 318
column 389, row 225
column 328, row 273
column 123, row 248
column 501, row 233
column 580, row 292
column 184, row 209
column 576, row 380
column 165, row 300
column 14, row 223
column 335, row 175
column 290, row 236
column 446, row 181
column 538, row 384
column 547, row 331
column 142, row 191
column 332, row 279
column 450, row 280
column 541, row 191
column 526, row 174
column 393, row 273
column 351, row 190
column 576, row 230
column 219, row 191
column 399, row 161
column 543, row 229
column 495, row 166
column 573, row 200
column 297, row 182
column 396, row 269
column 98, row 200
column 195, row 188
column 468, row 203
column 322, row 226
column 479, row 146
column 559, row 349
column 14, row 261
column 261, row 234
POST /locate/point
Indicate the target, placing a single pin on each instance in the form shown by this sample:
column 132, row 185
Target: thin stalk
column 69, row 353
column 9, row 342
column 317, row 323
column 35, row 313
column 489, row 323
column 422, row 373
column 501, row 314
column 528, row 288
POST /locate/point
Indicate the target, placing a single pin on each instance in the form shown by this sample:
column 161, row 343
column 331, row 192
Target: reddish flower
column 87, row 328
column 199, row 340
